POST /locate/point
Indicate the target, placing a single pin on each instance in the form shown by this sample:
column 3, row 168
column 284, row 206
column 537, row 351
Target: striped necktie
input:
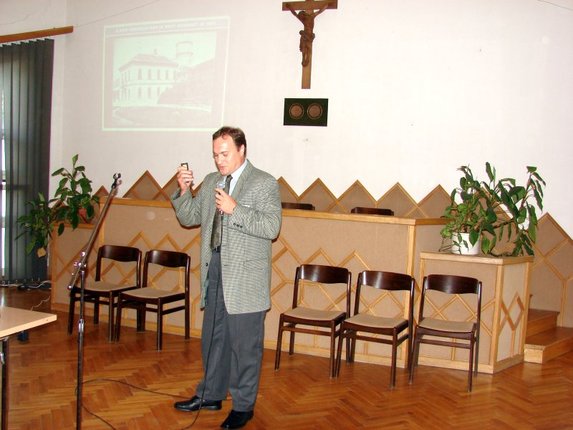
column 217, row 232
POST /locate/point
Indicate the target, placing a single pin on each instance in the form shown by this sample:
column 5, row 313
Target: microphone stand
column 80, row 271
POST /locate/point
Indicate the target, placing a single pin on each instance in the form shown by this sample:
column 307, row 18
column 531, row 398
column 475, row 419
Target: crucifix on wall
column 306, row 11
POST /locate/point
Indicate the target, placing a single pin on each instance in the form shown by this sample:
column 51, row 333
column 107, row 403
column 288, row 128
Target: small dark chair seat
column 371, row 211
column 302, row 206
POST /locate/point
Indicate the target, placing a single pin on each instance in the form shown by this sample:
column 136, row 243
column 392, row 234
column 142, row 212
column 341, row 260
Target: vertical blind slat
column 26, row 83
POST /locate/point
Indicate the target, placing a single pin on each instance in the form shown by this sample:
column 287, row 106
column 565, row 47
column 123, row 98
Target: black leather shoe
column 236, row 419
column 195, row 403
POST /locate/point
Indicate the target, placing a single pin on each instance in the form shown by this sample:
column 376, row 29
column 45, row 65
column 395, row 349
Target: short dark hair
column 234, row 133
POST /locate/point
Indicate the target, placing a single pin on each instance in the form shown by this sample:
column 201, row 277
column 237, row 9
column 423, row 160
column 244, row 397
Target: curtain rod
column 38, row 34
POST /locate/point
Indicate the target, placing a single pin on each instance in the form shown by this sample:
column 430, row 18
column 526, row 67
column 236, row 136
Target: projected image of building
column 165, row 76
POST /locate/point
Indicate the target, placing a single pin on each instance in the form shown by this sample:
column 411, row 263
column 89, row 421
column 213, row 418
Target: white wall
column 416, row 88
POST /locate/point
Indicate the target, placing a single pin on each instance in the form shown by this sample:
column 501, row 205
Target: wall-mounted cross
column 306, row 11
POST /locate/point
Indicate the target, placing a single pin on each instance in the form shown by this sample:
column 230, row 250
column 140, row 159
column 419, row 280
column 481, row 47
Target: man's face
column 226, row 155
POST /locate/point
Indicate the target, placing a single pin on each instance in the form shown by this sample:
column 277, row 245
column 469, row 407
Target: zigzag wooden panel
column 552, row 272
column 318, row 194
column 551, row 282
column 345, row 240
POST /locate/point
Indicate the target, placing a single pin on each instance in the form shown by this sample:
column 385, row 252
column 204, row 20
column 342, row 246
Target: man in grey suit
column 235, row 272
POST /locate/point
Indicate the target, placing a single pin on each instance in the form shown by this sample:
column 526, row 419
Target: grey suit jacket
column 247, row 236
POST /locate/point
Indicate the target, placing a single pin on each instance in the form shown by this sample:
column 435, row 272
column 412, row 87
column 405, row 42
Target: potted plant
column 39, row 223
column 73, row 202
column 493, row 212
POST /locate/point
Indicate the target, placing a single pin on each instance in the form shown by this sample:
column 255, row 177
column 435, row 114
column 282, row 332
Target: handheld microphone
column 221, row 185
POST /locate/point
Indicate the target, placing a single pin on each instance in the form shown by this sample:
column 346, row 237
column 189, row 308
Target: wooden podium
column 14, row 320
column 505, row 303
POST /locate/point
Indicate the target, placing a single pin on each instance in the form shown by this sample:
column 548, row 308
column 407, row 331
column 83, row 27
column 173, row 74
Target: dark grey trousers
column 231, row 346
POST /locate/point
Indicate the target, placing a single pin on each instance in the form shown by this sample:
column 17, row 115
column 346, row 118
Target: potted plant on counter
column 493, row 213
column 73, row 202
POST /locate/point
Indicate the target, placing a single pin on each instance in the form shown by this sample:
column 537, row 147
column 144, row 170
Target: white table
column 14, row 320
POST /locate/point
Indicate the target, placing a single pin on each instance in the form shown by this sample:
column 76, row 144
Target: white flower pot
column 469, row 249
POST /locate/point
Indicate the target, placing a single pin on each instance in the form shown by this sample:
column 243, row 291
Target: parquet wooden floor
column 299, row 396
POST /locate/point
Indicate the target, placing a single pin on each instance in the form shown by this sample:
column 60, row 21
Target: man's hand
column 224, row 202
column 184, row 178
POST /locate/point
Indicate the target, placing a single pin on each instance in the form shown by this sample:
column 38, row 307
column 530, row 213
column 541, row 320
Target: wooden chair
column 107, row 293
column 371, row 211
column 154, row 299
column 455, row 334
column 324, row 322
column 390, row 329
column 303, row 206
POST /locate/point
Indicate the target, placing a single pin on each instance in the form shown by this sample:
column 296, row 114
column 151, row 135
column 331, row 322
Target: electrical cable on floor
column 23, row 335
column 40, row 285
column 41, row 303
column 98, row 417
column 137, row 388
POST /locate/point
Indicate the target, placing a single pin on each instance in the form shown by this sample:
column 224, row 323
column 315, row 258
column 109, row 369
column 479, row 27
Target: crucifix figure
column 306, row 11
column 306, row 34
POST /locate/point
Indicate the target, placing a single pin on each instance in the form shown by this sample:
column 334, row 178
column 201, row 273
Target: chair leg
column 96, row 309
column 409, row 353
column 140, row 316
column 187, row 321
column 393, row 364
column 291, row 343
column 118, row 319
column 159, row 326
column 351, row 353
column 476, row 359
column 333, row 337
column 71, row 310
column 279, row 342
column 471, row 367
column 339, row 352
column 110, row 317
column 414, row 363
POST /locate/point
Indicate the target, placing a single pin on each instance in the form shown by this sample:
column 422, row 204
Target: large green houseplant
column 496, row 211
column 72, row 203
